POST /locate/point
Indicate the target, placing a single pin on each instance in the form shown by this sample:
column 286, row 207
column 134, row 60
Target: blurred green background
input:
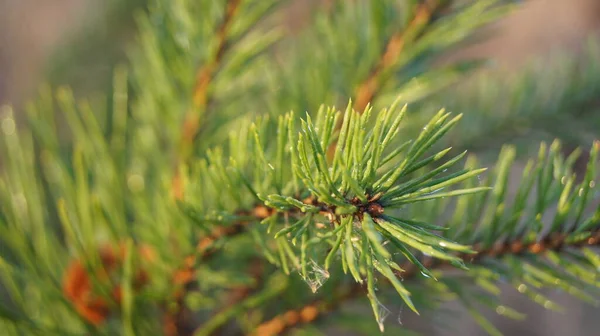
column 544, row 83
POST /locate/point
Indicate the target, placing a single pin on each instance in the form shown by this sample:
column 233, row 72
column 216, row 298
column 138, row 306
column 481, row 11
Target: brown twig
column 367, row 90
column 201, row 98
column 239, row 294
column 315, row 310
column 176, row 318
column 307, row 314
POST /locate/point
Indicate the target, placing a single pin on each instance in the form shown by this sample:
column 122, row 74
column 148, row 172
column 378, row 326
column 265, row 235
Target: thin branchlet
column 190, row 128
column 315, row 310
column 184, row 278
column 201, row 97
column 368, row 89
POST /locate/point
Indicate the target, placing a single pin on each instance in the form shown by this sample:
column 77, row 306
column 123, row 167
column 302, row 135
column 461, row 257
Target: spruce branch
column 497, row 239
column 317, row 310
column 371, row 210
column 356, row 191
column 369, row 197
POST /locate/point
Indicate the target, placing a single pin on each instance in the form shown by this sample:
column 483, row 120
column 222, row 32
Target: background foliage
column 112, row 181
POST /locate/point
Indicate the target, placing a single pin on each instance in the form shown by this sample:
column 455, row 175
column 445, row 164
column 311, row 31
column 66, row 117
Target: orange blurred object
column 77, row 284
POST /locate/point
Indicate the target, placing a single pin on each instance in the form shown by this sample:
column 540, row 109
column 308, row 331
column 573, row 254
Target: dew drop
column 8, row 126
column 547, row 304
column 135, row 182
column 500, row 310
column 443, row 244
column 425, row 274
column 522, row 288
column 592, row 184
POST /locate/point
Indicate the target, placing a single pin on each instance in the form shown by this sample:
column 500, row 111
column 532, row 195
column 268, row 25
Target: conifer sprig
column 521, row 244
column 355, row 193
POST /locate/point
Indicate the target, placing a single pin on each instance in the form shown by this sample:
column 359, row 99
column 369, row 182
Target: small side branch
column 369, row 88
column 318, row 309
column 176, row 318
column 201, row 98
column 175, row 321
column 304, row 315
